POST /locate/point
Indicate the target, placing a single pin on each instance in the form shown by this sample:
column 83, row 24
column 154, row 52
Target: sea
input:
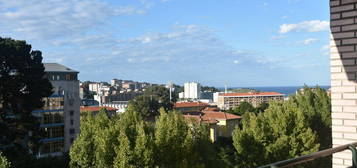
column 286, row 90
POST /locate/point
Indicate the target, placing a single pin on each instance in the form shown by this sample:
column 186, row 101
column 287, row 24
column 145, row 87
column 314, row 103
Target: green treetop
column 4, row 163
column 277, row 134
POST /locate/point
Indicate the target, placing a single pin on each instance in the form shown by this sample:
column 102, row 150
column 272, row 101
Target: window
column 57, row 132
column 71, row 131
column 68, row 77
column 72, row 139
column 71, row 101
column 72, row 122
column 71, row 112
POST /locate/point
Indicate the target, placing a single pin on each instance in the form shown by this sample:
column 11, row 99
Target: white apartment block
column 192, row 90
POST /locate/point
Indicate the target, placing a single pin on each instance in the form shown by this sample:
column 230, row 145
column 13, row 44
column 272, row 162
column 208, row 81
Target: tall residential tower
column 60, row 115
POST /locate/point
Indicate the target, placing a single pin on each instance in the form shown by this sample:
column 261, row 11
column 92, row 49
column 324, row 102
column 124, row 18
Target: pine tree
column 277, row 134
column 135, row 142
column 182, row 144
column 22, row 88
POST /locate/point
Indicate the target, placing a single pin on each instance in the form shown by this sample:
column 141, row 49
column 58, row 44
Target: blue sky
column 235, row 42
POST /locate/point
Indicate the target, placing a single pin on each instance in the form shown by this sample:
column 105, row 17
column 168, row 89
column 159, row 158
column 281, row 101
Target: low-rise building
column 231, row 100
column 190, row 107
column 221, row 124
column 121, row 106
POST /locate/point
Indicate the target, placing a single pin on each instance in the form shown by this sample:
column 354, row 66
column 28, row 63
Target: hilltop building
column 231, row 100
column 60, row 115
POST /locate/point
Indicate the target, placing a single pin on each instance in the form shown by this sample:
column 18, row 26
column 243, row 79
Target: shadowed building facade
column 60, row 115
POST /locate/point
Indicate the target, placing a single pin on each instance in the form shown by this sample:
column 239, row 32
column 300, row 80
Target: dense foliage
column 209, row 89
column 154, row 98
column 22, row 87
column 285, row 130
column 4, row 163
column 245, row 107
column 128, row 141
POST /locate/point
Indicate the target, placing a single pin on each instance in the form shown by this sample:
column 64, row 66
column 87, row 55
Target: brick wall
column 343, row 77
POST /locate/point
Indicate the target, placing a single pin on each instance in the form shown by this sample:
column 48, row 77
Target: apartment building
column 60, row 115
column 192, row 90
column 231, row 100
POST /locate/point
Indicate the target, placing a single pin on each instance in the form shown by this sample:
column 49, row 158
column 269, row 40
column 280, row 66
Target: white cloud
column 307, row 41
column 284, row 17
column 308, row 26
column 236, row 62
column 51, row 19
column 278, row 37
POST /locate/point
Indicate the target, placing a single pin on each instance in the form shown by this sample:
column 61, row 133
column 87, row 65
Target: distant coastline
column 286, row 90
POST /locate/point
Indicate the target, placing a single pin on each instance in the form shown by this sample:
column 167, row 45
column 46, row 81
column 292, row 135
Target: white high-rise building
column 192, row 90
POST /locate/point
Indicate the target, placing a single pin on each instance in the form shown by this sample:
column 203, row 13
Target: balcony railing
column 316, row 155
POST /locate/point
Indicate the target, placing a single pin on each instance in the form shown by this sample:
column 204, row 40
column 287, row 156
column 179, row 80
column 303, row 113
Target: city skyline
column 281, row 43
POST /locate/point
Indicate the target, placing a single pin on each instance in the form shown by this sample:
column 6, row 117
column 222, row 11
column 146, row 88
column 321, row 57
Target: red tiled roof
column 253, row 94
column 211, row 109
column 220, row 115
column 211, row 117
column 190, row 104
column 96, row 108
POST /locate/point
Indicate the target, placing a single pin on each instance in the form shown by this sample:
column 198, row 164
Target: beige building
column 231, row 100
column 343, row 54
column 220, row 124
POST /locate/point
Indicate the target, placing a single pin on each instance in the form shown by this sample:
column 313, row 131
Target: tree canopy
column 128, row 141
column 154, row 98
column 245, row 107
column 285, row 130
column 22, row 87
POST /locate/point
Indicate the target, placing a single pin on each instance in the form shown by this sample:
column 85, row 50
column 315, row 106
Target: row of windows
column 52, row 117
column 69, row 77
column 52, row 147
column 53, row 102
column 54, row 132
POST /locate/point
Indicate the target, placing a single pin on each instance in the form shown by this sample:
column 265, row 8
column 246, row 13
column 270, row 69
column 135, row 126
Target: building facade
column 343, row 54
column 60, row 115
column 190, row 107
column 220, row 124
column 231, row 100
column 192, row 90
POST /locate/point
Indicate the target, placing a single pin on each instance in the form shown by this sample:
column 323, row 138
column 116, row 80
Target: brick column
column 343, row 77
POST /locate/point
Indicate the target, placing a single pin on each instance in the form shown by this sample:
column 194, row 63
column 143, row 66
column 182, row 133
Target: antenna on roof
column 170, row 84
column 225, row 88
